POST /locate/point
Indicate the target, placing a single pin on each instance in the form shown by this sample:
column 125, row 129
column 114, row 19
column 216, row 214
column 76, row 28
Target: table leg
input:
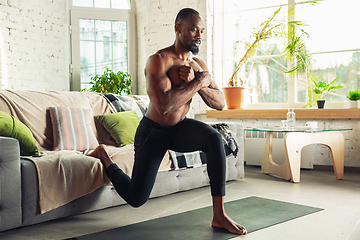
column 268, row 166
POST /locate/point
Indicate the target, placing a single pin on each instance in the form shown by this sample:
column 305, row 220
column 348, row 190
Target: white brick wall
column 34, row 39
column 34, row 42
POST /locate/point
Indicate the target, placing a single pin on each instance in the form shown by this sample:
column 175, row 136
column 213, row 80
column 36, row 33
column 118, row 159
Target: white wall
column 34, row 44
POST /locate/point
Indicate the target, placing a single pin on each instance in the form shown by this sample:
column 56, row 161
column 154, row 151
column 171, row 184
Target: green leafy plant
column 322, row 88
column 354, row 95
column 298, row 56
column 111, row 82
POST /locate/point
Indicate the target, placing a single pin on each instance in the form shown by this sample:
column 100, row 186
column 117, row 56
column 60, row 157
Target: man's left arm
column 211, row 95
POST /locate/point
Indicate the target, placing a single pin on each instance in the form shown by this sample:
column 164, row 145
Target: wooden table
column 294, row 141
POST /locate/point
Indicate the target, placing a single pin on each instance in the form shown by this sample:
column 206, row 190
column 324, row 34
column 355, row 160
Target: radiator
column 254, row 148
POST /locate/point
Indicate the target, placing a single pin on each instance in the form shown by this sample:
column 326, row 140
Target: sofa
column 27, row 180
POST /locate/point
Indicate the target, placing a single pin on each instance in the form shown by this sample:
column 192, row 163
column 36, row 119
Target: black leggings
column 152, row 140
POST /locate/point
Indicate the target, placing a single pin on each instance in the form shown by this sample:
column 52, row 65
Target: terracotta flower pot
column 234, row 97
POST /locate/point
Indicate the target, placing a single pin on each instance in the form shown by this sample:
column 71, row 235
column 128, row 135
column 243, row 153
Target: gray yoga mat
column 253, row 212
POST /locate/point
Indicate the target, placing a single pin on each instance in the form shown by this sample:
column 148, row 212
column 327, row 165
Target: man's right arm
column 160, row 89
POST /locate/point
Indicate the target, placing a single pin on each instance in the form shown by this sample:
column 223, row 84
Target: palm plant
column 296, row 53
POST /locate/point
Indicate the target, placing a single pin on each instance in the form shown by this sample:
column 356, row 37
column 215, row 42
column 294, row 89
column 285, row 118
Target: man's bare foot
column 229, row 224
column 101, row 154
column 222, row 220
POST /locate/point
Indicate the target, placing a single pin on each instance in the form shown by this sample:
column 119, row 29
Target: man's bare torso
column 172, row 66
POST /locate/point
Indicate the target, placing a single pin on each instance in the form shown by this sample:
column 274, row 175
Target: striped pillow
column 72, row 129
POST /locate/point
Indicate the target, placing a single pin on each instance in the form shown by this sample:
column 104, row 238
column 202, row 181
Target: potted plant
column 354, row 96
column 111, row 82
column 234, row 91
column 294, row 51
column 321, row 89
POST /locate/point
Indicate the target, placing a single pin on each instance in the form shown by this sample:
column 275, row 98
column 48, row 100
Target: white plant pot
column 353, row 104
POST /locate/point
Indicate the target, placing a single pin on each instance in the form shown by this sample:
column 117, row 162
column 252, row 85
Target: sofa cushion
column 72, row 129
column 11, row 127
column 121, row 126
column 137, row 103
column 198, row 158
column 188, row 160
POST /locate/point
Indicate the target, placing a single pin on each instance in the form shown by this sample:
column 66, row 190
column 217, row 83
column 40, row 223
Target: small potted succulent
column 354, row 96
column 321, row 89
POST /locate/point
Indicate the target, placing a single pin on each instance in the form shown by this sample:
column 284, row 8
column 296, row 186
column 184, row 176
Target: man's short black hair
column 184, row 13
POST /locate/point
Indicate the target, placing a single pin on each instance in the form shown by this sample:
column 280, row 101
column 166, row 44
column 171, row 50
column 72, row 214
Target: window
column 103, row 44
column 101, row 38
column 114, row 4
column 333, row 44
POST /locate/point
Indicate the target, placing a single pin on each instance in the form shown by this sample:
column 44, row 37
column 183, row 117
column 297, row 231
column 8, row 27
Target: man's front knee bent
column 138, row 203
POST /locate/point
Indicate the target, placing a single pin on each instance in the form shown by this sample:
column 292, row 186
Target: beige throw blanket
column 67, row 175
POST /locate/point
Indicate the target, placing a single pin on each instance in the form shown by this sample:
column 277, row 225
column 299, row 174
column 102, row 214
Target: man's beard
column 192, row 48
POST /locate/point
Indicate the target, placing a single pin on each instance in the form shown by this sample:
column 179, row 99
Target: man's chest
column 174, row 73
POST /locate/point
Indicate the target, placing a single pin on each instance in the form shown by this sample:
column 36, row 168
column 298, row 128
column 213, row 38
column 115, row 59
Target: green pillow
column 121, row 126
column 11, row 127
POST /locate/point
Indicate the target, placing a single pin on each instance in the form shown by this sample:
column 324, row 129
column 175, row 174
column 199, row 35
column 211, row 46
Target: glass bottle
column 290, row 116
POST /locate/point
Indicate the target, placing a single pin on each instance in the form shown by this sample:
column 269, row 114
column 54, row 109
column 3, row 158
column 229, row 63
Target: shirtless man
column 173, row 77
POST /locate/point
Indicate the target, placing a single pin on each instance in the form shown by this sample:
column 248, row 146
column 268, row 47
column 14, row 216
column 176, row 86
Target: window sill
column 281, row 113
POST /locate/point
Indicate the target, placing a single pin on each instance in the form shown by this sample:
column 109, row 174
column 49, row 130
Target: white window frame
column 77, row 13
column 221, row 72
